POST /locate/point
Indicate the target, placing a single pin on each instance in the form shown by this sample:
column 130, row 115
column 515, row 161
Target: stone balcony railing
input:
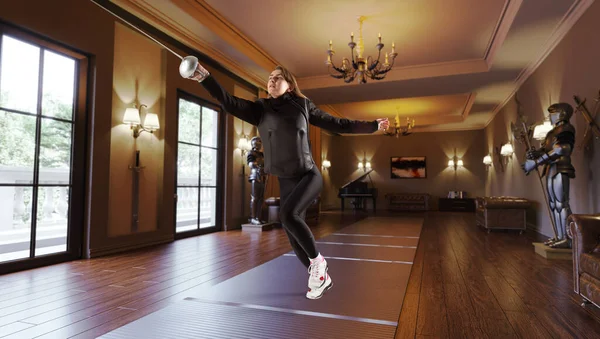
column 16, row 205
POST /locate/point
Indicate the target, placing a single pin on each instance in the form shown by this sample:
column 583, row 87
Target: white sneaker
column 319, row 280
column 316, row 293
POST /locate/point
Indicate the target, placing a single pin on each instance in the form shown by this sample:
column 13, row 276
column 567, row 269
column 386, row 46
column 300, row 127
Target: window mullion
column 200, row 164
column 36, row 157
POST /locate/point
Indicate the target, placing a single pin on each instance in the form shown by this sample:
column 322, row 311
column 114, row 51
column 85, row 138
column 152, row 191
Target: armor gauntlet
column 533, row 153
column 557, row 151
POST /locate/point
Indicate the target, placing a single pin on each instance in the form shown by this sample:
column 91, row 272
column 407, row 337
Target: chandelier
column 401, row 130
column 360, row 68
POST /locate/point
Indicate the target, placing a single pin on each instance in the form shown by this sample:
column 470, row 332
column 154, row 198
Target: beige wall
column 137, row 79
column 571, row 69
column 344, row 152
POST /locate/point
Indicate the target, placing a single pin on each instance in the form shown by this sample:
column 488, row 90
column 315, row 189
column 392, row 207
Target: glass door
column 199, row 169
column 40, row 122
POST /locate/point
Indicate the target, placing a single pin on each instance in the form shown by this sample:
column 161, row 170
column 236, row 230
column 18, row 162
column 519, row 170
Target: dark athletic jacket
column 283, row 127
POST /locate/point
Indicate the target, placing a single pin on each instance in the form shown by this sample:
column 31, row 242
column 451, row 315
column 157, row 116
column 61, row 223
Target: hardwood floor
column 465, row 283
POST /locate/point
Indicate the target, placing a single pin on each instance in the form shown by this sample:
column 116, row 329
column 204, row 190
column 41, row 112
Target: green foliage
column 190, row 117
column 17, row 137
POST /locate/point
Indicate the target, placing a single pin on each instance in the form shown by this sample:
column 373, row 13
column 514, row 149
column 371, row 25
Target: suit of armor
column 258, row 179
column 555, row 157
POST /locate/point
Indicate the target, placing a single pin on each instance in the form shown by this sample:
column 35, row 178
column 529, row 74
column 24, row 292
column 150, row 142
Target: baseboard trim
column 534, row 228
column 119, row 248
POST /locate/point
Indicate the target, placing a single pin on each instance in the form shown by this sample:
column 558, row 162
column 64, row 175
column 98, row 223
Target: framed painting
column 408, row 168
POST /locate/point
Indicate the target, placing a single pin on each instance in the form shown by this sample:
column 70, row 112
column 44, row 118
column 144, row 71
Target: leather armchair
column 585, row 232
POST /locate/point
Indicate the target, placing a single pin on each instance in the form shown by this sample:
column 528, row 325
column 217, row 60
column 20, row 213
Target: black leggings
column 296, row 195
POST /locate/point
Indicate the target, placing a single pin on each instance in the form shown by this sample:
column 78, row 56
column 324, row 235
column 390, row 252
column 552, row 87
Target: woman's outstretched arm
column 327, row 121
column 249, row 111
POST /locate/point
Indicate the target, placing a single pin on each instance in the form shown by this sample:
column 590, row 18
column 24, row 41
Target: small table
column 457, row 205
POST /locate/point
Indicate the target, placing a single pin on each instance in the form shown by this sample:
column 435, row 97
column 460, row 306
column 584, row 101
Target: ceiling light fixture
column 360, row 68
column 399, row 130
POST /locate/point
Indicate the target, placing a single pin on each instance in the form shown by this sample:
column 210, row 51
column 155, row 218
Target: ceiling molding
column 404, row 73
column 566, row 23
column 432, row 120
column 501, row 31
column 468, row 105
column 331, row 110
column 168, row 25
column 205, row 14
column 417, row 129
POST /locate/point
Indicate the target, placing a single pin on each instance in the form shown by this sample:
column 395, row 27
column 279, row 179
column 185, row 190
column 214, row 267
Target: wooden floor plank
column 407, row 325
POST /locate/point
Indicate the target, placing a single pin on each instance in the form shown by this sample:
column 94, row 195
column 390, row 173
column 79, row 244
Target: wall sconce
column 507, row 150
column 132, row 118
column 326, row 163
column 504, row 154
column 364, row 165
column 487, row 161
column 540, row 131
column 244, row 145
column 455, row 165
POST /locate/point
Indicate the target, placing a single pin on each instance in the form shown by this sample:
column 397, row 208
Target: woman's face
column 277, row 85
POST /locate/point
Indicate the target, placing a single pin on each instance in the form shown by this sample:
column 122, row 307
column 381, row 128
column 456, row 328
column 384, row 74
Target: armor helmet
column 256, row 142
column 560, row 112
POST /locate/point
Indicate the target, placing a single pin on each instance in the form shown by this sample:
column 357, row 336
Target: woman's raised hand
column 384, row 123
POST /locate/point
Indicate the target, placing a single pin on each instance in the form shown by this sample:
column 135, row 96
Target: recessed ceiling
column 458, row 61
column 424, row 110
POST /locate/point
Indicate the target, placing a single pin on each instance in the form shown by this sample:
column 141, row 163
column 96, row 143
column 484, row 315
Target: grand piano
column 360, row 191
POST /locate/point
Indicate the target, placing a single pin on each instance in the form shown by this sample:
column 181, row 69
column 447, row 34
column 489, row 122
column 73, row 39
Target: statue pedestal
column 553, row 253
column 257, row 228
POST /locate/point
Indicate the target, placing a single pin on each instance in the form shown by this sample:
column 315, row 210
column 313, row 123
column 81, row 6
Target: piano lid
column 358, row 179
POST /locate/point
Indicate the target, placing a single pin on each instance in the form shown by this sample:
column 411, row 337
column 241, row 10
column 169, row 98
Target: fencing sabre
column 188, row 64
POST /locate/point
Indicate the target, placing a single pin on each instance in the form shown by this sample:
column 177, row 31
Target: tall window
column 38, row 124
column 199, row 155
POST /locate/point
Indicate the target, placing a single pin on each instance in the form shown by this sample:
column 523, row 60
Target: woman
column 282, row 120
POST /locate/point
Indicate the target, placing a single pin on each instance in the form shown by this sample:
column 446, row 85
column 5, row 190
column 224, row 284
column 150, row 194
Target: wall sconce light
column 244, row 145
column 326, row 163
column 507, row 150
column 132, row 118
column 455, row 164
column 504, row 154
column 487, row 161
column 364, row 165
column 540, row 131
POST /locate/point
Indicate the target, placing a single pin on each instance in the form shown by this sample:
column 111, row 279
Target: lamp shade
column 151, row 122
column 459, row 163
column 450, row 163
column 368, row 165
column 132, row 116
column 360, row 165
column 540, row 131
column 487, row 160
column 326, row 163
column 243, row 143
column 506, row 150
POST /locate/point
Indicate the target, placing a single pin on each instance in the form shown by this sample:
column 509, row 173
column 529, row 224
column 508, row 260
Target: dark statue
column 555, row 157
column 258, row 179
